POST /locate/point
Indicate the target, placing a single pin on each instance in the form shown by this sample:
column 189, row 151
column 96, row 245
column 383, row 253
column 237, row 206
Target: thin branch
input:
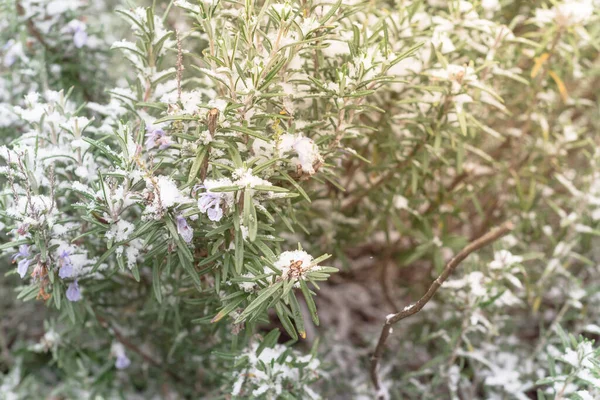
column 180, row 67
column 477, row 244
column 340, row 128
column 32, row 29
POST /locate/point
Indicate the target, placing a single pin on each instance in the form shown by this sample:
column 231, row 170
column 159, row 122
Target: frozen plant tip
column 295, row 265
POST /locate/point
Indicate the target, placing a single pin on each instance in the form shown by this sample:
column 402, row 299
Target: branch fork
column 412, row 309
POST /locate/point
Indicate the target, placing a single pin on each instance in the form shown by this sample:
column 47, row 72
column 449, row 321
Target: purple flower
column 215, row 213
column 64, row 256
column 11, row 54
column 80, row 37
column 78, row 29
column 23, row 265
column 73, row 292
column 214, row 204
column 207, row 200
column 118, row 350
column 197, row 188
column 186, row 232
column 157, row 137
column 210, row 203
column 23, row 252
column 66, row 269
column 122, row 361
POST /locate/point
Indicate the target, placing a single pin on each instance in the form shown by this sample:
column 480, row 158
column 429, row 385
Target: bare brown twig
column 475, row 245
column 212, row 120
column 180, row 67
column 32, row 29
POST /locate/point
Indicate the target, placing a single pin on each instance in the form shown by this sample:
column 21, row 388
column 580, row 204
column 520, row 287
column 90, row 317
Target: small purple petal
column 23, row 267
column 206, row 201
column 23, row 252
column 155, row 131
column 64, row 256
column 164, row 142
column 215, row 213
column 151, row 142
column 66, row 271
column 80, row 38
column 154, row 136
column 73, row 292
column 122, row 362
column 24, row 249
column 186, row 232
column 9, row 59
column 196, row 188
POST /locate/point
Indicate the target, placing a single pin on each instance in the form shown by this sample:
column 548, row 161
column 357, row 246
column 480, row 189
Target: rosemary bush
column 222, row 199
